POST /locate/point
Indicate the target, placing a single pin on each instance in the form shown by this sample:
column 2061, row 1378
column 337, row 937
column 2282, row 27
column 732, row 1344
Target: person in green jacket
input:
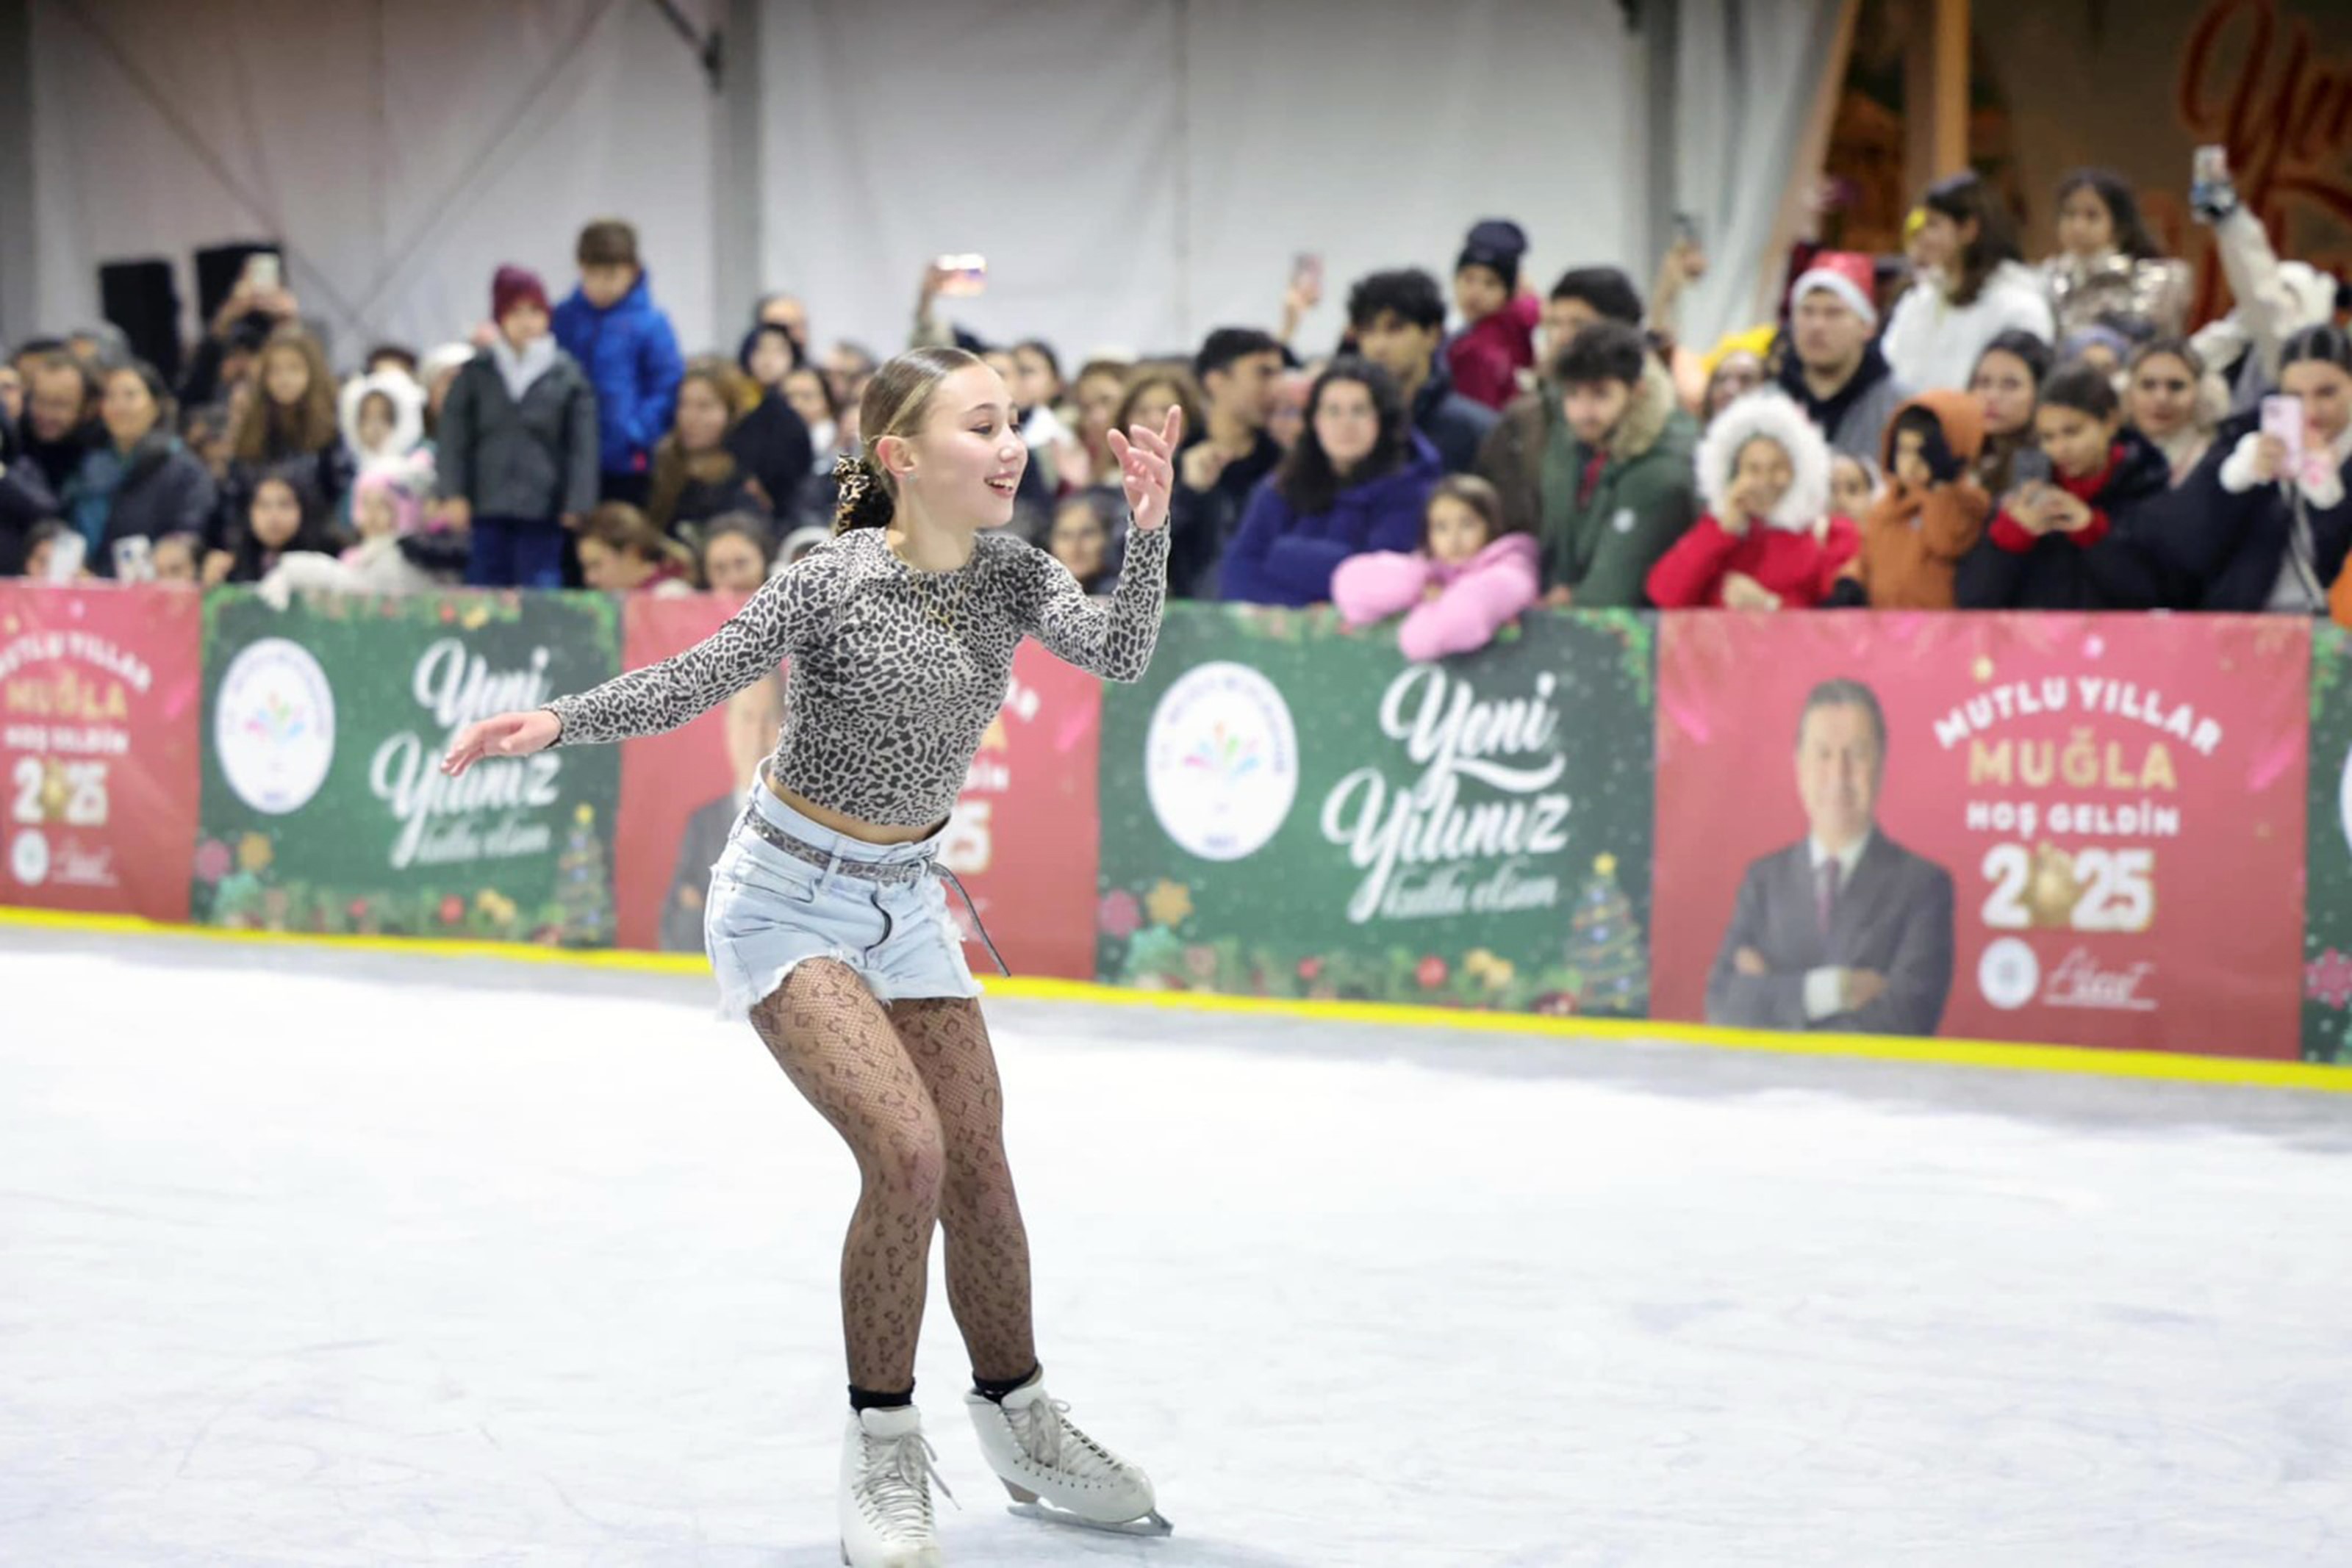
column 1608, row 481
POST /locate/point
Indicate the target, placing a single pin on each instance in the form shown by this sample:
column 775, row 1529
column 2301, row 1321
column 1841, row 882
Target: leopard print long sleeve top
column 894, row 673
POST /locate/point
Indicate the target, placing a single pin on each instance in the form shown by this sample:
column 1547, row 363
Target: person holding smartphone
column 2271, row 300
column 257, row 306
column 2072, row 542
column 2263, row 523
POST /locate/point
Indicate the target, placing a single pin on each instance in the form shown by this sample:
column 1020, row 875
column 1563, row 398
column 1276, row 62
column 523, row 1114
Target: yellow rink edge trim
column 1885, row 1048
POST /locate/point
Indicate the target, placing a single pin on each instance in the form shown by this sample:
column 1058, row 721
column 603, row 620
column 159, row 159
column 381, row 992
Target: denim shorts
column 771, row 911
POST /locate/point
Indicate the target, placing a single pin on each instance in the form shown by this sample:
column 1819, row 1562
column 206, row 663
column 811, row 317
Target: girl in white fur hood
column 383, row 419
column 1769, row 539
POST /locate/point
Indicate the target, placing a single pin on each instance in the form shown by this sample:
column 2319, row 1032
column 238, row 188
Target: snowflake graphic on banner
column 2328, row 978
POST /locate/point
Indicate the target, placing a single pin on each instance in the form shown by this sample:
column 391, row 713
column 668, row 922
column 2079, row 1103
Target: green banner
column 1292, row 809
column 324, row 807
column 2327, row 886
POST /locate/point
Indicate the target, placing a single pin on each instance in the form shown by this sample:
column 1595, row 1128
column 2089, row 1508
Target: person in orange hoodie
column 1931, row 513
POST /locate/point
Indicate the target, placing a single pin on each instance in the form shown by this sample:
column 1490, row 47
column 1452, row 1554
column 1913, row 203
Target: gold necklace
column 931, row 593
column 930, row 589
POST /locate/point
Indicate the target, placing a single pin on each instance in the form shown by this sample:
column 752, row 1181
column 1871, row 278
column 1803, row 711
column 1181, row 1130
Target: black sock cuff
column 995, row 1389
column 880, row 1400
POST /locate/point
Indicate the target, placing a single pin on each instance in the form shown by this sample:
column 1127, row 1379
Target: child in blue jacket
column 622, row 340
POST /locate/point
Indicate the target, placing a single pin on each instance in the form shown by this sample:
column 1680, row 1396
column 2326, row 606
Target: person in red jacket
column 1497, row 340
column 1769, row 539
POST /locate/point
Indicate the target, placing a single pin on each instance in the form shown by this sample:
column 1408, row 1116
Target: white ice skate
column 1040, row 1455
column 885, row 1493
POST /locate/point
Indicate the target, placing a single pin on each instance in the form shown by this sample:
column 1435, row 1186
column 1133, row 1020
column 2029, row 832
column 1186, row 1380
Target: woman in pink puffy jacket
column 1468, row 577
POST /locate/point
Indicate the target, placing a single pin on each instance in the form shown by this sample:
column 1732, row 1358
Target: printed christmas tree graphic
column 584, row 890
column 1604, row 945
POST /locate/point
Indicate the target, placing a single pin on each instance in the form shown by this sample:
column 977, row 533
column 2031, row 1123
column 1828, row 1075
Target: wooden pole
column 1936, row 91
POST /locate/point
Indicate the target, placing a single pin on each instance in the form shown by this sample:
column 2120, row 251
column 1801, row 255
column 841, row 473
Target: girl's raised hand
column 1147, row 463
column 505, row 735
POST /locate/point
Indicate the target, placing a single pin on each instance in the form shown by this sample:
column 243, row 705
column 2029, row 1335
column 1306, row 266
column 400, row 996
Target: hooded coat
column 1796, row 550
column 629, row 351
column 407, row 400
column 1913, row 538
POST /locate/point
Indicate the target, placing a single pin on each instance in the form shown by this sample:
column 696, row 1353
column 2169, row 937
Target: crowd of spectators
column 1952, row 428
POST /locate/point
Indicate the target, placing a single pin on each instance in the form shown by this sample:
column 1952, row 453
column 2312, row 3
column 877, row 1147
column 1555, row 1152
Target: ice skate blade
column 1152, row 1525
column 931, row 1556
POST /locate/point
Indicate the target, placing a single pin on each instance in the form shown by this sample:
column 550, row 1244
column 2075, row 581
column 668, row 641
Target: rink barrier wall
column 1550, row 835
column 2005, row 1056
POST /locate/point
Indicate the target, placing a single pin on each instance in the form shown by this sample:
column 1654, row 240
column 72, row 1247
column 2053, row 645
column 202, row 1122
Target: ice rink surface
column 308, row 1259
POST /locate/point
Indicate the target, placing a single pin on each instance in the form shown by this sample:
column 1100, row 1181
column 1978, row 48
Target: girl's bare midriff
column 851, row 827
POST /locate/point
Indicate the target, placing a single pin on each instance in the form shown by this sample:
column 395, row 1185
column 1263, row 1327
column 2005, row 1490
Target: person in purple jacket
column 1357, row 480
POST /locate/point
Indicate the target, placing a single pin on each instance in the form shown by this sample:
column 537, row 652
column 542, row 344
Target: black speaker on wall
column 139, row 298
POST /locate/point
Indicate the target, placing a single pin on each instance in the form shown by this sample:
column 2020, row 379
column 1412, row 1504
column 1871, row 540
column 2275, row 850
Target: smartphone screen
column 134, row 559
column 966, row 272
column 66, row 553
column 2283, row 417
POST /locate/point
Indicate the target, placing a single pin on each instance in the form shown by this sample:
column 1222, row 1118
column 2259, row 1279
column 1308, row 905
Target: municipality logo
column 29, row 858
column 1221, row 763
column 2008, row 974
column 274, row 725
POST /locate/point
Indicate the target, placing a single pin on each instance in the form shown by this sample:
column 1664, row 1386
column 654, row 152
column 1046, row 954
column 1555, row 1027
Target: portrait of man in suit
column 1845, row 929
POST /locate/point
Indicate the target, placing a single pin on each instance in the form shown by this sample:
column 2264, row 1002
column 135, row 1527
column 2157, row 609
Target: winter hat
column 399, row 489
column 1497, row 245
column 514, row 286
column 1845, row 274
column 2097, row 335
column 1767, row 413
column 1755, row 340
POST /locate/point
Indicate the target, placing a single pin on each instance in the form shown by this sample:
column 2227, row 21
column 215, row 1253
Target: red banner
column 1026, row 838
column 682, row 790
column 100, row 690
column 2081, row 830
column 1022, row 839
